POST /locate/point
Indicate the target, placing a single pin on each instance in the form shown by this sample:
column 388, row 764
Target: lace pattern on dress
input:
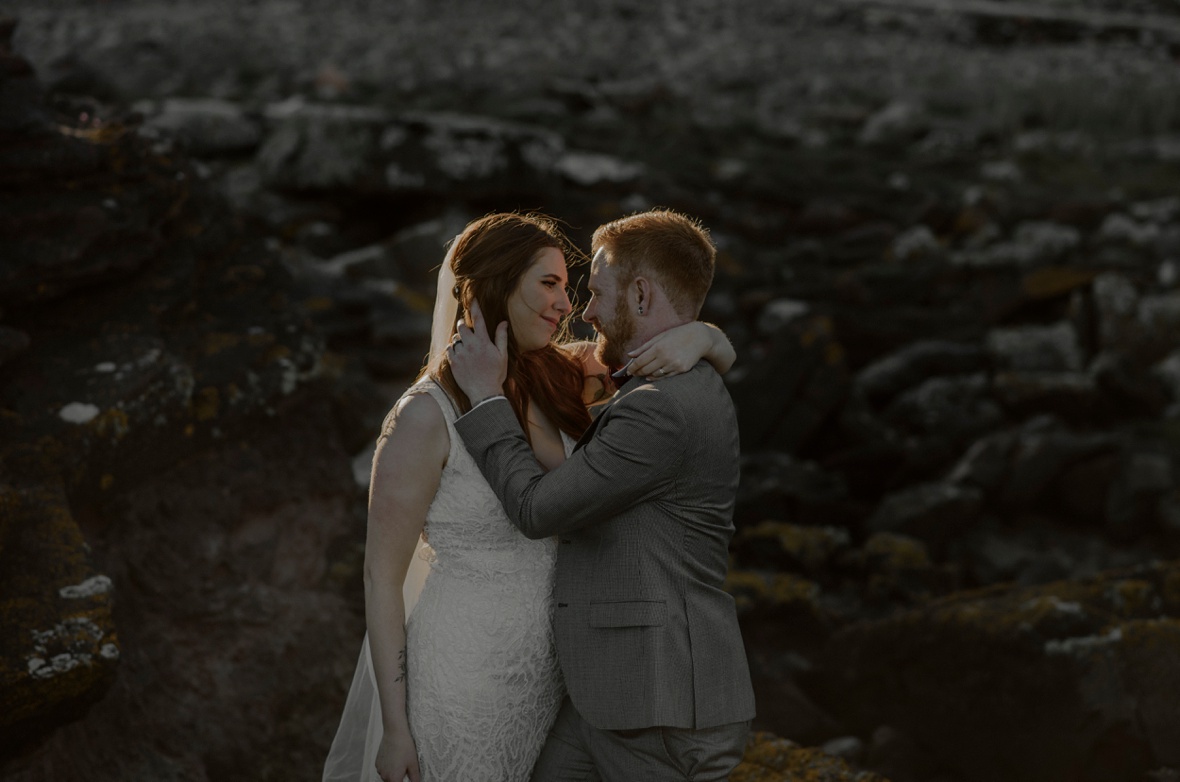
column 484, row 685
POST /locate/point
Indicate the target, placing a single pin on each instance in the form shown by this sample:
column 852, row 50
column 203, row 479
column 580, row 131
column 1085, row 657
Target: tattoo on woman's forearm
column 600, row 394
column 401, row 665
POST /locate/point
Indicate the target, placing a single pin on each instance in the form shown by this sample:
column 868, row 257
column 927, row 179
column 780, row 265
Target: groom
column 648, row 641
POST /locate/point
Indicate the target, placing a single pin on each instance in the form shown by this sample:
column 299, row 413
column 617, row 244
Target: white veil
column 442, row 326
column 353, row 755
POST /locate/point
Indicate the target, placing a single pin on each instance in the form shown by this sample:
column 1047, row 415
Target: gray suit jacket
column 643, row 510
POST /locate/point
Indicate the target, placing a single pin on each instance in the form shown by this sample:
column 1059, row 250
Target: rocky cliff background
column 950, row 264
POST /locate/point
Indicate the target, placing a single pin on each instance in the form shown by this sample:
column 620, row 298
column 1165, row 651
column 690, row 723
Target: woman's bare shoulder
column 417, row 415
column 586, row 354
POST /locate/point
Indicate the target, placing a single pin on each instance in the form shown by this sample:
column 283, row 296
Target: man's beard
column 614, row 337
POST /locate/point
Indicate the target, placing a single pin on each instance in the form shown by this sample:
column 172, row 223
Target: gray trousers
column 576, row 751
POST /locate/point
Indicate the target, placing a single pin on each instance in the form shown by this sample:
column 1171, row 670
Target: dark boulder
column 1097, row 656
column 1040, row 457
column 785, row 398
column 935, row 513
column 884, row 379
column 778, row 486
column 957, row 407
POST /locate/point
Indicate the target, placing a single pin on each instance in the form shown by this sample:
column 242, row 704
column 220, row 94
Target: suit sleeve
column 632, row 456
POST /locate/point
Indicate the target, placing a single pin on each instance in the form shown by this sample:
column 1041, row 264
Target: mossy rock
column 810, row 572
column 60, row 651
column 1068, row 677
column 769, row 758
column 779, row 594
column 789, row 546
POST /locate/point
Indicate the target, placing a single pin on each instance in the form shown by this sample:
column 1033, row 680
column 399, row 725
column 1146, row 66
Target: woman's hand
column 678, row 350
column 397, row 758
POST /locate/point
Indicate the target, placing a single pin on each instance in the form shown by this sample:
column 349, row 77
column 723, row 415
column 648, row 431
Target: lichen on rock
column 60, row 651
column 769, row 758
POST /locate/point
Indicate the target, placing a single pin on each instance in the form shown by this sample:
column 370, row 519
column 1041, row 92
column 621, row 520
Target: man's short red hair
column 671, row 247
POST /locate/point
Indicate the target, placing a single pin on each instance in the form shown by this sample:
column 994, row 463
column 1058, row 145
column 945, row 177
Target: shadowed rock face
column 236, row 613
column 155, row 329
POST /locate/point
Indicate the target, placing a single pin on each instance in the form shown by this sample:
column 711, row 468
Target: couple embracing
column 572, row 623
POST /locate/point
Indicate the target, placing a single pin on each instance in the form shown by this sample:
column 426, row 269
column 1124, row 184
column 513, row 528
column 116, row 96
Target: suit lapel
column 600, row 413
column 593, row 427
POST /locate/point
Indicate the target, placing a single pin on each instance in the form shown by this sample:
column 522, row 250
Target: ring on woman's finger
column 660, row 371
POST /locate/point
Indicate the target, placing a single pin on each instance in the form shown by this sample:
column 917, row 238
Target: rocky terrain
column 950, row 264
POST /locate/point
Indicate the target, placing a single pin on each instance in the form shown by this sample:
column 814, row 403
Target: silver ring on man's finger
column 659, row 371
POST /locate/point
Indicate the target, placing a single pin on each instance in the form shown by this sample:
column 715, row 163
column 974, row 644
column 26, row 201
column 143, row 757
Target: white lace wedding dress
column 483, row 683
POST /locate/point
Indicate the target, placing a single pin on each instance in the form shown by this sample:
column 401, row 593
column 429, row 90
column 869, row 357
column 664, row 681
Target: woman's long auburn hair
column 489, row 259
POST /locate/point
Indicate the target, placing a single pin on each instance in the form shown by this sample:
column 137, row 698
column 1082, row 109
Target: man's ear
column 642, row 291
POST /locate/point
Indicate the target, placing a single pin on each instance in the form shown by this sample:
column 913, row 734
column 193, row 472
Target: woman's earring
column 640, row 309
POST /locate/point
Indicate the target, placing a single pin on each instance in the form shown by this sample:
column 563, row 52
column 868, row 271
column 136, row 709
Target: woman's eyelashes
column 570, row 292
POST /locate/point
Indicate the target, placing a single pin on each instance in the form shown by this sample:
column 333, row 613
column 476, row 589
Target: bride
column 468, row 686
